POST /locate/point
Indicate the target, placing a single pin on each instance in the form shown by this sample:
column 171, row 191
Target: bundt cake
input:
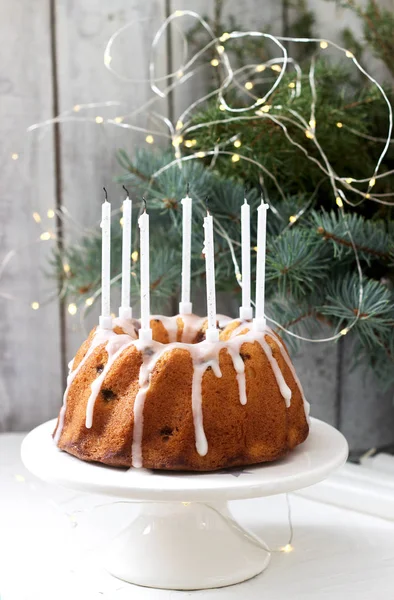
column 180, row 402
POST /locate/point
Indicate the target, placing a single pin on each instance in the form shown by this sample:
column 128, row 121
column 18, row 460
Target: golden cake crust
column 261, row 430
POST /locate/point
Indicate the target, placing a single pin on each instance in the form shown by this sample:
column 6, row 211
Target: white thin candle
column 212, row 334
column 105, row 317
column 185, row 306
column 125, row 311
column 145, row 333
column 246, row 311
column 259, row 321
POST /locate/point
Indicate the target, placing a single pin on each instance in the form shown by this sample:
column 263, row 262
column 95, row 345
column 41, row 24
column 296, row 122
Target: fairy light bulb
column 224, row 37
column 222, row 107
column 66, row 268
column 235, row 158
column 50, row 213
column 215, row 62
column 237, row 144
column 177, row 141
column 339, row 125
column 45, row 236
column 149, row 139
column 37, row 217
column 107, row 59
column 344, row 331
column 72, row 309
column 312, row 123
column 35, row 305
column 249, row 85
column 220, row 49
column 309, row 134
column 276, row 68
column 121, row 221
column 266, row 108
column 134, row 256
column 339, row 202
column 323, row 45
column 288, row 548
column 200, row 154
column 291, row 84
column 349, row 54
column 179, row 125
column 349, row 180
column 179, row 13
column 99, row 119
column 77, row 108
column 260, row 68
column 118, row 119
column 372, row 182
column 14, row 156
column 292, row 218
column 89, row 301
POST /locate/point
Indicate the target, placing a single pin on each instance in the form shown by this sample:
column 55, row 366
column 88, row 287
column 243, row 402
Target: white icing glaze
column 280, row 380
column 129, row 326
column 203, row 355
column 101, row 336
column 170, row 324
column 239, row 367
column 191, row 326
column 307, row 406
column 114, row 348
column 139, row 403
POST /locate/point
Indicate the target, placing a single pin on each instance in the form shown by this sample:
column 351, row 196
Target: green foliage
column 378, row 27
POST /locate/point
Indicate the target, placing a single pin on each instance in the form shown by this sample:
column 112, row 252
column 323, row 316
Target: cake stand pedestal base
column 184, row 537
column 185, row 546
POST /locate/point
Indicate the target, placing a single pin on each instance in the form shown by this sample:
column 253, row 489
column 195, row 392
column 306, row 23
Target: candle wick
column 144, row 201
column 106, row 195
column 187, row 189
column 127, row 192
column 207, row 200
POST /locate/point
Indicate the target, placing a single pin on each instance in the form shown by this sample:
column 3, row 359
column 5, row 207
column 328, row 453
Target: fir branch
column 330, row 236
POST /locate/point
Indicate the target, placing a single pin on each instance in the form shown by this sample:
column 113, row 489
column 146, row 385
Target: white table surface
column 50, row 551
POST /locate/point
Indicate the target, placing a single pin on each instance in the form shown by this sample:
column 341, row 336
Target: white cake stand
column 184, row 536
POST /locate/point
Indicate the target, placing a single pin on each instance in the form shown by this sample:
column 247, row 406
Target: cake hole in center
column 108, row 394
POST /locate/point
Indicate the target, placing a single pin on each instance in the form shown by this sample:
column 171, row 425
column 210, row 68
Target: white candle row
column 185, row 306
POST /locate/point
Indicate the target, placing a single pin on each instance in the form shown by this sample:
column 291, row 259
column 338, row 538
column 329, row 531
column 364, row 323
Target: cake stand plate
column 184, row 536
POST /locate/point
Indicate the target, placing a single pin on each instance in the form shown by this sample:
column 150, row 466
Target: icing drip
column 307, row 406
column 146, row 369
column 114, row 349
column 170, row 324
column 191, row 325
column 239, row 367
column 100, row 337
column 199, row 433
column 130, row 327
column 283, row 387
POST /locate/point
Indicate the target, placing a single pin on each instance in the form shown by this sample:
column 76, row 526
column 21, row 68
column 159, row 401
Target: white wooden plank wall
column 30, row 380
